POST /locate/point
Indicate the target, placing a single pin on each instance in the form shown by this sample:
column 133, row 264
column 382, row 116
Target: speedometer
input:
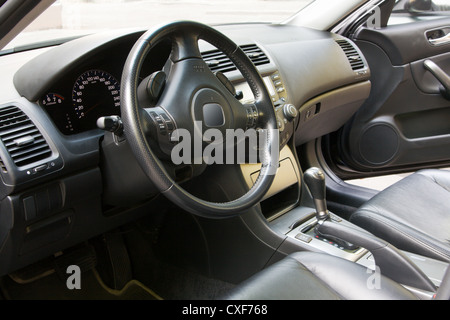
column 95, row 94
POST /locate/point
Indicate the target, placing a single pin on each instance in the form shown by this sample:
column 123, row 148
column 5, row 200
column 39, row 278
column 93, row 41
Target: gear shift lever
column 315, row 180
column 391, row 262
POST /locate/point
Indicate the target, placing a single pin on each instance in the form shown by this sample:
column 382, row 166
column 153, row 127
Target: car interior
column 88, row 126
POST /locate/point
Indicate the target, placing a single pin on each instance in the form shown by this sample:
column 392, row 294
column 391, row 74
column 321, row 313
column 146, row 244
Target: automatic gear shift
column 315, row 180
column 391, row 262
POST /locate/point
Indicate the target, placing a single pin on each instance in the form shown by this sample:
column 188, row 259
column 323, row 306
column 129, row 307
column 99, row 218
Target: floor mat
column 170, row 281
column 53, row 287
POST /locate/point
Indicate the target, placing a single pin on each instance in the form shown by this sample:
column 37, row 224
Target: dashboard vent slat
column 21, row 138
column 11, row 135
column 218, row 61
column 352, row 54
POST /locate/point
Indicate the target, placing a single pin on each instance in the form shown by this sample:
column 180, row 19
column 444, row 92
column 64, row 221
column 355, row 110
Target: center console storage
column 284, row 193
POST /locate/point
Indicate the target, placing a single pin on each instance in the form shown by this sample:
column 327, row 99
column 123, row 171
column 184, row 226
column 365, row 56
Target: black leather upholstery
column 413, row 214
column 317, row 276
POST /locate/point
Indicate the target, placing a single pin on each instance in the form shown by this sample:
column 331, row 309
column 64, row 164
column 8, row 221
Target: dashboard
column 66, row 88
column 64, row 180
column 82, row 77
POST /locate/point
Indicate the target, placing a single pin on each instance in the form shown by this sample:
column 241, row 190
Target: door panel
column 405, row 123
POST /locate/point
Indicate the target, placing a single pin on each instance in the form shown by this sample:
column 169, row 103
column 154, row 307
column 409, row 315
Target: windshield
column 68, row 18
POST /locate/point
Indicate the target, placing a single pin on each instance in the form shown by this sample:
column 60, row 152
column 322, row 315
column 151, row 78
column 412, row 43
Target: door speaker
column 379, row 144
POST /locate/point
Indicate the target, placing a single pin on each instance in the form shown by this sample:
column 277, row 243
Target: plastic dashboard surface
column 59, row 92
column 64, row 89
column 62, row 79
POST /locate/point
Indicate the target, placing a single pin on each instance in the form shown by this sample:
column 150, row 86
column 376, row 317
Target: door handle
column 440, row 41
column 440, row 75
column 439, row 36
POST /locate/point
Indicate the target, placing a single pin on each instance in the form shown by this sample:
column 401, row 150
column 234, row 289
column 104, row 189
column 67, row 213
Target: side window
column 406, row 11
column 427, row 6
column 422, row 7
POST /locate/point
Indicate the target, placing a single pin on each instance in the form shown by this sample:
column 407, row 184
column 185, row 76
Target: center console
column 306, row 234
column 426, row 268
column 295, row 205
column 314, row 228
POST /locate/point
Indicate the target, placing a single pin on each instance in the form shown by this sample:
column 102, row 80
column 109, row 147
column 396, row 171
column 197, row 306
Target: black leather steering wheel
column 190, row 86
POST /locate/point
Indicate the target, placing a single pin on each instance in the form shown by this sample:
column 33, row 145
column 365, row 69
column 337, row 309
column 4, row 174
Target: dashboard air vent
column 218, row 61
column 353, row 56
column 23, row 141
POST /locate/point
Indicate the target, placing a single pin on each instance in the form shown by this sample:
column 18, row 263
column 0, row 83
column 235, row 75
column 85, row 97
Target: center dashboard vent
column 218, row 61
column 352, row 54
column 22, row 139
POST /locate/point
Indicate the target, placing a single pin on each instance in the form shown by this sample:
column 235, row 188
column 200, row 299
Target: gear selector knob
column 315, row 180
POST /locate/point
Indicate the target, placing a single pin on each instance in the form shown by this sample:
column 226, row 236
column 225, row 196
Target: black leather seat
column 318, row 276
column 412, row 214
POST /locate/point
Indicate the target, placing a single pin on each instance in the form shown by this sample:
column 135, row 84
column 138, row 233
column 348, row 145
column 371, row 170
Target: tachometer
column 51, row 99
column 95, row 94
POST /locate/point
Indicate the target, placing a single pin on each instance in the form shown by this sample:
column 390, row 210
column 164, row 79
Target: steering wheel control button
column 161, row 125
column 164, row 126
column 252, row 116
column 169, row 124
column 213, row 115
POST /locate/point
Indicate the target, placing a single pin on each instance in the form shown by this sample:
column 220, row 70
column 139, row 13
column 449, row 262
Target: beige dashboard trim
column 287, row 174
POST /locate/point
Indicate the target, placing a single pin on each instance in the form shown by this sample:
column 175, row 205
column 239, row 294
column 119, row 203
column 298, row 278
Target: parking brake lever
column 440, row 75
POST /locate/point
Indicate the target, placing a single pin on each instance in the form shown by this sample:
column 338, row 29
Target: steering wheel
column 194, row 99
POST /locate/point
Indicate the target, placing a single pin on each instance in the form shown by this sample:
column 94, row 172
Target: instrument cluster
column 74, row 109
column 91, row 89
